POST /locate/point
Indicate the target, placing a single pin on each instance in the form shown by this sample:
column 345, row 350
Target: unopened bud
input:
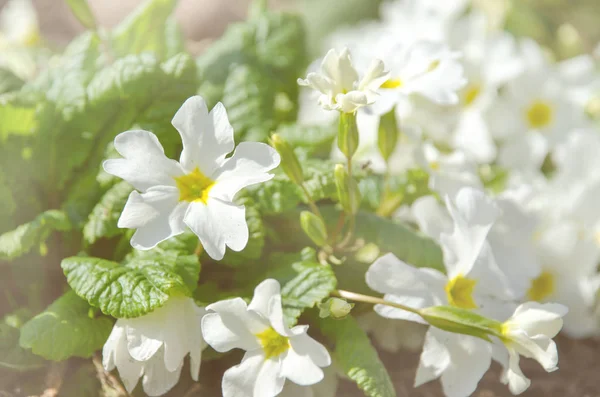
column 347, row 190
column 348, row 134
column 387, row 137
column 289, row 161
column 335, row 308
column 314, row 228
column 461, row 321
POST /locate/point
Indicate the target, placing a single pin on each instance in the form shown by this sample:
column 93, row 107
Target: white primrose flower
column 196, row 192
column 528, row 333
column 393, row 335
column 19, row 24
column 325, row 388
column 448, row 173
column 472, row 281
column 155, row 345
column 339, row 83
column 274, row 352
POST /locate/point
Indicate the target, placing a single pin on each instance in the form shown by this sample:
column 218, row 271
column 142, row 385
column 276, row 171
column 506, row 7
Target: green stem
column 311, row 202
column 373, row 300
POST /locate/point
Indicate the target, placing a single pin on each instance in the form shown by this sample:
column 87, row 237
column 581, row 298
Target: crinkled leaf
column 102, row 222
column 315, row 140
column 22, row 239
column 65, row 329
column 308, row 288
column 144, row 283
column 357, row 358
column 144, row 29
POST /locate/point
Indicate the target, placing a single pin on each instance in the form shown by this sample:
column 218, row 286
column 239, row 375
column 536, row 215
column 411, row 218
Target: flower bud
column 348, row 134
column 387, row 137
column 347, row 189
column 461, row 321
column 289, row 161
column 314, row 228
column 335, row 308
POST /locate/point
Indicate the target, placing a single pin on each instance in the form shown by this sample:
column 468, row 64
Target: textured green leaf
column 65, row 329
column 22, row 239
column 402, row 189
column 141, row 285
column 144, row 29
column 308, row 288
column 16, row 118
column 102, row 222
column 315, row 140
column 357, row 358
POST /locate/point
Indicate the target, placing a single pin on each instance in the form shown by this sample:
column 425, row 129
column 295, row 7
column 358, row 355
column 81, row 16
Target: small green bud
column 314, row 228
column 289, row 161
column 461, row 321
column 347, row 189
column 348, row 134
column 387, row 137
column 335, row 308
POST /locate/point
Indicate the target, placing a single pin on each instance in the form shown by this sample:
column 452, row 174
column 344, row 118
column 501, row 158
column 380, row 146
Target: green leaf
column 144, row 283
column 357, row 358
column 144, row 29
column 65, row 329
column 249, row 98
column 82, row 12
column 315, row 140
column 22, row 239
column 13, row 356
column 16, row 118
column 9, row 81
column 102, row 222
column 308, row 288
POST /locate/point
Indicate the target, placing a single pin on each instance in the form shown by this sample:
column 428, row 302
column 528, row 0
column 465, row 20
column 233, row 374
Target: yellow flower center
column 32, row 38
column 392, row 83
column 459, row 291
column 433, row 65
column 471, row 94
column 194, row 186
column 539, row 114
column 542, row 287
column 273, row 343
column 434, row 165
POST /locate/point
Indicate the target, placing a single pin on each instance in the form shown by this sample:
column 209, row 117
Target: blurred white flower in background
column 19, row 35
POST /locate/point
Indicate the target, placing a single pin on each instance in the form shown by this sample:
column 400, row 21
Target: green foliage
column 81, row 10
column 16, row 116
column 144, row 29
column 22, row 239
column 462, row 321
column 65, row 329
column 315, row 140
column 357, row 358
column 102, row 222
column 313, row 284
column 9, row 81
column 13, row 356
column 144, row 283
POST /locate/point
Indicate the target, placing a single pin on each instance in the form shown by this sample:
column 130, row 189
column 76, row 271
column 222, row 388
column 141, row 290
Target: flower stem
column 373, row 300
column 311, row 202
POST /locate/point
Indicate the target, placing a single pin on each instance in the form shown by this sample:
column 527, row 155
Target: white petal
column 145, row 335
column 348, row 103
column 249, row 164
column 431, row 216
column 474, row 214
column 304, row 345
column 300, row 369
column 196, row 342
column 239, row 381
column 157, row 215
column 435, row 358
column 232, row 326
column 207, row 138
column 269, row 381
column 540, row 318
column 513, row 376
column 175, row 336
column 144, row 163
column 157, row 379
column 218, row 224
column 115, row 353
column 262, row 296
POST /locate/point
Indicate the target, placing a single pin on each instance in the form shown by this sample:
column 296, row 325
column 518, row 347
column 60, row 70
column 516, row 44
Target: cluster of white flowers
column 468, row 98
